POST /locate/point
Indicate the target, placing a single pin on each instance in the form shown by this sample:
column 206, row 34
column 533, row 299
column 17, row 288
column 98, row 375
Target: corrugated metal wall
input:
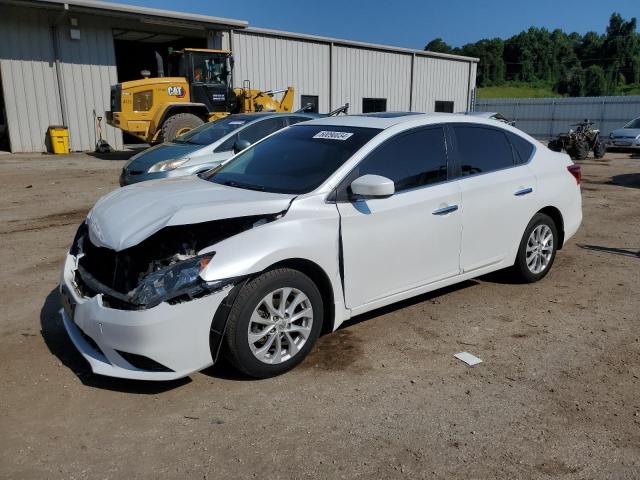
column 441, row 79
column 30, row 89
column 272, row 63
column 360, row 73
column 32, row 93
column 546, row 117
column 349, row 73
column 88, row 70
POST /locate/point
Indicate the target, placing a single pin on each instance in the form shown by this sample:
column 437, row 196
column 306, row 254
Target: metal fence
column 545, row 117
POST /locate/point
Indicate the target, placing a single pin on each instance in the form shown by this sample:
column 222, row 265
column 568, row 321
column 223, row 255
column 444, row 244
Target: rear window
column 296, row 160
column 522, row 149
column 482, row 149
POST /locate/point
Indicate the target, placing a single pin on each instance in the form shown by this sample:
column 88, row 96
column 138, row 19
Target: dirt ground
column 557, row 394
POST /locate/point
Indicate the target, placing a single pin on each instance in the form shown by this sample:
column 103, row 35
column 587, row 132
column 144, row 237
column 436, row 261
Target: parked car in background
column 296, row 234
column 206, row 146
column 627, row 136
column 497, row 116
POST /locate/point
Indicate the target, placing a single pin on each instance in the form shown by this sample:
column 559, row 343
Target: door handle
column 445, row 210
column 523, row 191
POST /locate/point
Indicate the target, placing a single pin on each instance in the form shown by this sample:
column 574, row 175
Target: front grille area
column 143, row 363
column 116, row 98
column 90, row 341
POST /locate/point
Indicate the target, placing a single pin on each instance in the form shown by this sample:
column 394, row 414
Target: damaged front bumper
column 164, row 342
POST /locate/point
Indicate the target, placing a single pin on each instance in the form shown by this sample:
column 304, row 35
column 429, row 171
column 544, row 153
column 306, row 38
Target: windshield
column 633, row 124
column 296, row 160
column 211, row 132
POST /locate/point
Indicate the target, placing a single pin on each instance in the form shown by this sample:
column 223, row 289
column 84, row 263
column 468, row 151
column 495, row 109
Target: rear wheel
column 555, row 145
column 537, row 249
column 579, row 150
column 178, row 124
column 274, row 322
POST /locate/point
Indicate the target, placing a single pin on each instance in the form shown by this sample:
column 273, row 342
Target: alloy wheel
column 539, row 249
column 280, row 325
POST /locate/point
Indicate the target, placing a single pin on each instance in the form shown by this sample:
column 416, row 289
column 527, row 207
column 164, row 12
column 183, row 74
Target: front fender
column 309, row 231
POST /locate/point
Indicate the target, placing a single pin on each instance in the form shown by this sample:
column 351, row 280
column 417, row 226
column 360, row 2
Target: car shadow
column 630, row 180
column 626, row 252
column 59, row 344
column 120, row 154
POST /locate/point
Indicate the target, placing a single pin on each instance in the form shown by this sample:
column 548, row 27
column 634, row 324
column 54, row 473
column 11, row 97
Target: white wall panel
column 363, row 73
column 441, row 79
column 28, row 78
column 273, row 62
column 88, row 71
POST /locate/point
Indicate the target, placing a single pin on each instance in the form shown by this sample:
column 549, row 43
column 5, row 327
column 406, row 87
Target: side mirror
column 372, row 186
column 241, row 145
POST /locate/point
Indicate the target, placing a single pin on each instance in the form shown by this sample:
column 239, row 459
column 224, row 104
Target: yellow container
column 59, row 137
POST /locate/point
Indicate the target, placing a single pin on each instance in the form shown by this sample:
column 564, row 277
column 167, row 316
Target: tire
column 259, row 356
column 555, row 145
column 522, row 268
column 599, row 149
column 177, row 125
column 579, row 150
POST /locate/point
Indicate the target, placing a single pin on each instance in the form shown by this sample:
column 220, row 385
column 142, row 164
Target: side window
column 443, row 106
column 372, row 105
column 259, row 130
column 228, row 144
column 522, row 149
column 410, row 160
column 309, row 103
column 481, row 149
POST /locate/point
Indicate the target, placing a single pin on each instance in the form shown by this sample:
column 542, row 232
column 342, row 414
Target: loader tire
column 178, row 124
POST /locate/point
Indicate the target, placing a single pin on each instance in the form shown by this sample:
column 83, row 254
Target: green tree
column 438, row 45
column 595, row 81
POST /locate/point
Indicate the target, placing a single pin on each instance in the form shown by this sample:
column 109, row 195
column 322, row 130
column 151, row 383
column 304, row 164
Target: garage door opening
column 4, row 125
column 136, row 51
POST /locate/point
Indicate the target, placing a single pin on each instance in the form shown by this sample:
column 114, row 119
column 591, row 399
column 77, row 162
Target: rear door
column 391, row 245
column 498, row 194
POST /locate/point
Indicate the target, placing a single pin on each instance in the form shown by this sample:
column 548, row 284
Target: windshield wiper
column 233, row 183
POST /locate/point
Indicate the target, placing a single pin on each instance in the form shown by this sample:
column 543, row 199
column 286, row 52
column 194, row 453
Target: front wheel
column 178, row 124
column 274, row 322
column 579, row 150
column 599, row 149
column 537, row 249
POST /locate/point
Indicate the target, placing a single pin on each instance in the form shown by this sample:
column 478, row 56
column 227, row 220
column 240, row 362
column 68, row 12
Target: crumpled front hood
column 165, row 151
column 125, row 217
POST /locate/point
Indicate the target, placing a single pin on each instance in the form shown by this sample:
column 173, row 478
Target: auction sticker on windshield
column 333, row 135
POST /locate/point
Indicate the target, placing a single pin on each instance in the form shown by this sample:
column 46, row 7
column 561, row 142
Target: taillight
column 576, row 171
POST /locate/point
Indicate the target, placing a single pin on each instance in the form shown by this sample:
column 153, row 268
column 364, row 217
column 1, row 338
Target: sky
column 410, row 23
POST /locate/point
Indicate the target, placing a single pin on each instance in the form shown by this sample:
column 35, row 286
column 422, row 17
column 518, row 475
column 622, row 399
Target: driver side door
column 412, row 238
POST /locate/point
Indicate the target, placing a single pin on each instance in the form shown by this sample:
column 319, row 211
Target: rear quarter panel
column 557, row 187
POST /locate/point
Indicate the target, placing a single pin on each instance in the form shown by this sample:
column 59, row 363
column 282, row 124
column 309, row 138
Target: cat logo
column 176, row 91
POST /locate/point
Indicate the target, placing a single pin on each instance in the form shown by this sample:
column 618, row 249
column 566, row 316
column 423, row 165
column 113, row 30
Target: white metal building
column 58, row 59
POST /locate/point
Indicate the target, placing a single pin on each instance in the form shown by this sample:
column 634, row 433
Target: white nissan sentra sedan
column 303, row 230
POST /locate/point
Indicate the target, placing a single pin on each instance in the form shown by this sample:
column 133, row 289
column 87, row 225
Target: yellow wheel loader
column 197, row 90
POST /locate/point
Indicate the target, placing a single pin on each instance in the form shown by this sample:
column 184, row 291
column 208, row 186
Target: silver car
column 206, row 146
column 627, row 136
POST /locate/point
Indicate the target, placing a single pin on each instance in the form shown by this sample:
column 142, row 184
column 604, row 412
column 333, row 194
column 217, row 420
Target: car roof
column 382, row 121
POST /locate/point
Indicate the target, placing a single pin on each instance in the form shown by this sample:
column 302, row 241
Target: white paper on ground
column 467, row 358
